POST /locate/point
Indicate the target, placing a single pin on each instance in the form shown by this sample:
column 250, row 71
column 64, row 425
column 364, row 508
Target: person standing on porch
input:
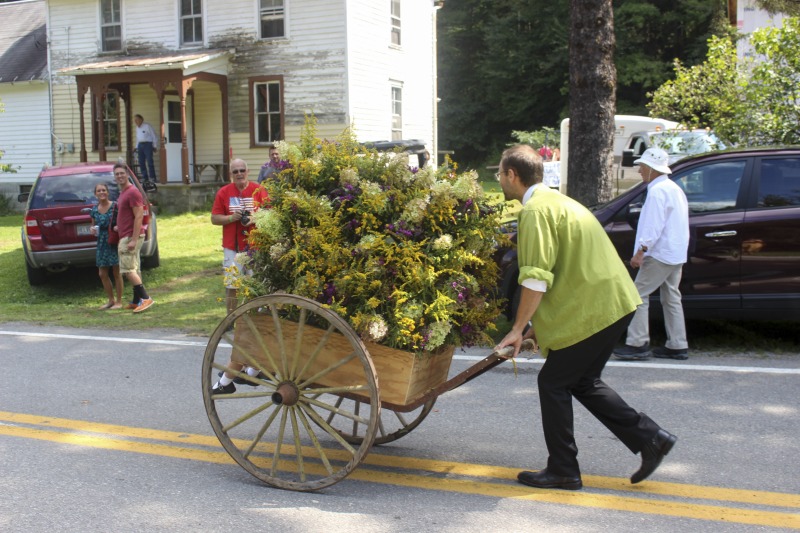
column 146, row 144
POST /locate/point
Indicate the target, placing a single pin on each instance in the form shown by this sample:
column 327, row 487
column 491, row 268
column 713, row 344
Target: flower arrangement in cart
column 403, row 254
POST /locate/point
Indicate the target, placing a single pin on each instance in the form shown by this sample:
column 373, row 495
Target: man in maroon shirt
column 130, row 213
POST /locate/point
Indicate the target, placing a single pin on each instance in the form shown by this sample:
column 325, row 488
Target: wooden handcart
column 323, row 397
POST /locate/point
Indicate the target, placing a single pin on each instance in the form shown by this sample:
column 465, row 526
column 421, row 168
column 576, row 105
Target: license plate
column 84, row 229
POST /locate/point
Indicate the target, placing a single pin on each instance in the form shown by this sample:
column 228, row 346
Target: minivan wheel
column 36, row 276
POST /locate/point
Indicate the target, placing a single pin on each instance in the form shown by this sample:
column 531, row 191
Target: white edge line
column 520, row 360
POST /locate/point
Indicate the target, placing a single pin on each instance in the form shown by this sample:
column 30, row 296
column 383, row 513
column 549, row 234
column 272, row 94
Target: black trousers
column 575, row 372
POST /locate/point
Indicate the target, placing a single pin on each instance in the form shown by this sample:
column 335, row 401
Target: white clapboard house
column 226, row 78
column 24, row 95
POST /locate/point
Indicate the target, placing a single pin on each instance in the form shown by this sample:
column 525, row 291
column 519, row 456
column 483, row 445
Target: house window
column 273, row 19
column 110, row 25
column 397, row 112
column 266, row 110
column 191, row 22
column 396, row 22
column 110, row 120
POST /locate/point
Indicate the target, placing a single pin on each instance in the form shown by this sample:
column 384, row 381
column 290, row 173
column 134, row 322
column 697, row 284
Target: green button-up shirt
column 561, row 243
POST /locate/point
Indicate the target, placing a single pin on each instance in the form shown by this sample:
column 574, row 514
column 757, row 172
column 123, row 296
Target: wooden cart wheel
column 275, row 424
column 391, row 426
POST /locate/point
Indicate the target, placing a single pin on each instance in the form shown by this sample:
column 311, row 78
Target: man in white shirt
column 662, row 241
column 146, row 144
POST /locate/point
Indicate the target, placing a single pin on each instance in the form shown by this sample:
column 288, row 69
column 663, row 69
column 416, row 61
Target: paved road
column 105, row 431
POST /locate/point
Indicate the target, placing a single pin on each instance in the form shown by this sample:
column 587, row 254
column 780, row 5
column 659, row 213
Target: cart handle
column 484, row 365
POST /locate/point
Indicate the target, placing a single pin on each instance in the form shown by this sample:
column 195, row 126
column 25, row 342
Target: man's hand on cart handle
column 528, row 344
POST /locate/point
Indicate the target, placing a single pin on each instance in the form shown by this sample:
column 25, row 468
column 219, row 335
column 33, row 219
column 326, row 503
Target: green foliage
column 789, row 7
column 545, row 136
column 705, row 94
column 747, row 102
column 404, row 255
column 504, row 64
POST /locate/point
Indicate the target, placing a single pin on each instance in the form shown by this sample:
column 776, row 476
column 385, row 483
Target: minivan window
column 73, row 189
column 780, row 182
column 712, row 187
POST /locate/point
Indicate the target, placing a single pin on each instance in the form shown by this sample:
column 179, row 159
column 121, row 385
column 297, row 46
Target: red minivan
column 56, row 229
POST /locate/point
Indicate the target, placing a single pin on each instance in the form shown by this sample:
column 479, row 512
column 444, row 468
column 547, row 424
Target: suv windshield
column 71, row 189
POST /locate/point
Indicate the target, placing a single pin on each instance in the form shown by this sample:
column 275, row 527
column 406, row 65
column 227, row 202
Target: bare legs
column 109, row 289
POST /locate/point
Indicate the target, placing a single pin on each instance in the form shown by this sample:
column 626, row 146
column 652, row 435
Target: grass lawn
column 187, row 287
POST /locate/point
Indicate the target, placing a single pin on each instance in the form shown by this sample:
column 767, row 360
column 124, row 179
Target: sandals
column 105, row 307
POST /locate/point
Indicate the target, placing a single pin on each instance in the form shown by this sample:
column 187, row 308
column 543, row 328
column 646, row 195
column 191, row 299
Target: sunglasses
column 239, row 171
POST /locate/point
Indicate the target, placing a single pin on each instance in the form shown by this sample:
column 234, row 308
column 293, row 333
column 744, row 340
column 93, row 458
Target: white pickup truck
column 624, row 126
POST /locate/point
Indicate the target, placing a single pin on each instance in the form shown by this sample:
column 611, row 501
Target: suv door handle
column 717, row 234
column 86, row 210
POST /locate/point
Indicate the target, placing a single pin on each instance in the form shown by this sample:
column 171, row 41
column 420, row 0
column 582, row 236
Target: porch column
column 186, row 84
column 159, row 87
column 81, row 99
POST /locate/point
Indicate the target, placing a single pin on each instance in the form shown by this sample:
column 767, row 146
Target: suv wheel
column 36, row 276
column 154, row 261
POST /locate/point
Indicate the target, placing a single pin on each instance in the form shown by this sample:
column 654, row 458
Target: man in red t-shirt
column 130, row 214
column 233, row 201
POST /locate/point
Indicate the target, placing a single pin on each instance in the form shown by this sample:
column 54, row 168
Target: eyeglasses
column 498, row 174
column 239, row 171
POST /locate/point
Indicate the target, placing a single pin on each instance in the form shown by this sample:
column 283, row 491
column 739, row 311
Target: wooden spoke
column 279, row 442
column 261, row 432
column 247, row 416
column 325, row 372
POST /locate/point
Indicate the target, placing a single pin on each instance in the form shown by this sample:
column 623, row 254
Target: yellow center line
column 497, row 490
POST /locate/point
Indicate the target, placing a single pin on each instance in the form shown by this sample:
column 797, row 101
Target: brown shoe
column 131, row 306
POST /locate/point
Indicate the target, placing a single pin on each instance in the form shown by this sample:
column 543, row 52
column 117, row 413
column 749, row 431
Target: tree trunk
column 592, row 100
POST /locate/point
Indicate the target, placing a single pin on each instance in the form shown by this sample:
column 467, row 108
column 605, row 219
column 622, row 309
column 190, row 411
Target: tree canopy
column 504, row 64
column 750, row 101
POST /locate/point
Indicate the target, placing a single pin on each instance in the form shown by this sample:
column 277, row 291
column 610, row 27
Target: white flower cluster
column 437, row 333
column 270, row 223
column 443, row 243
column 467, row 187
column 287, row 150
column 377, row 329
column 277, row 250
column 416, row 210
column 349, row 176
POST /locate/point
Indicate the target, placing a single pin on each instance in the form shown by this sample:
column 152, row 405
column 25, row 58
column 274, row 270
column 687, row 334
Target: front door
column 172, row 126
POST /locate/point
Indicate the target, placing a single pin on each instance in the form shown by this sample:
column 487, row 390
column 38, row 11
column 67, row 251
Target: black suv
column 744, row 251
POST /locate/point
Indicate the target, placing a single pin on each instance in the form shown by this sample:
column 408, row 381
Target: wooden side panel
column 402, row 376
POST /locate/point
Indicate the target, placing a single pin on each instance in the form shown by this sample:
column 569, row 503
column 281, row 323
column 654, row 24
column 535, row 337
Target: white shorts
column 229, row 260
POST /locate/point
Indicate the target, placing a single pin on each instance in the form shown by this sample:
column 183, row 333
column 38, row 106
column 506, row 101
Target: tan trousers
column 653, row 275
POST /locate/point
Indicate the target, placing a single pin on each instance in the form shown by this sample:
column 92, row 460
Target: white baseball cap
column 655, row 158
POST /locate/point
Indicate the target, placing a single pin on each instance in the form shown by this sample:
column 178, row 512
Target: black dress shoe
column 652, row 454
column 543, row 480
column 680, row 354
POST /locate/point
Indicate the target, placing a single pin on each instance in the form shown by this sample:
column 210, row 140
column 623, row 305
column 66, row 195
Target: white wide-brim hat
column 655, row 158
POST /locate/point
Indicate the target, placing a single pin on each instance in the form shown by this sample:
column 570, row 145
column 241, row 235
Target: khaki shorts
column 129, row 260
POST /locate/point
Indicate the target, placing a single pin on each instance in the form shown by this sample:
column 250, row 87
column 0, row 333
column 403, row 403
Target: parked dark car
column 744, row 250
column 415, row 148
column 56, row 228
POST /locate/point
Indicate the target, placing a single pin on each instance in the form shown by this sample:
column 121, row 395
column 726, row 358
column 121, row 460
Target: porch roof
column 189, row 63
